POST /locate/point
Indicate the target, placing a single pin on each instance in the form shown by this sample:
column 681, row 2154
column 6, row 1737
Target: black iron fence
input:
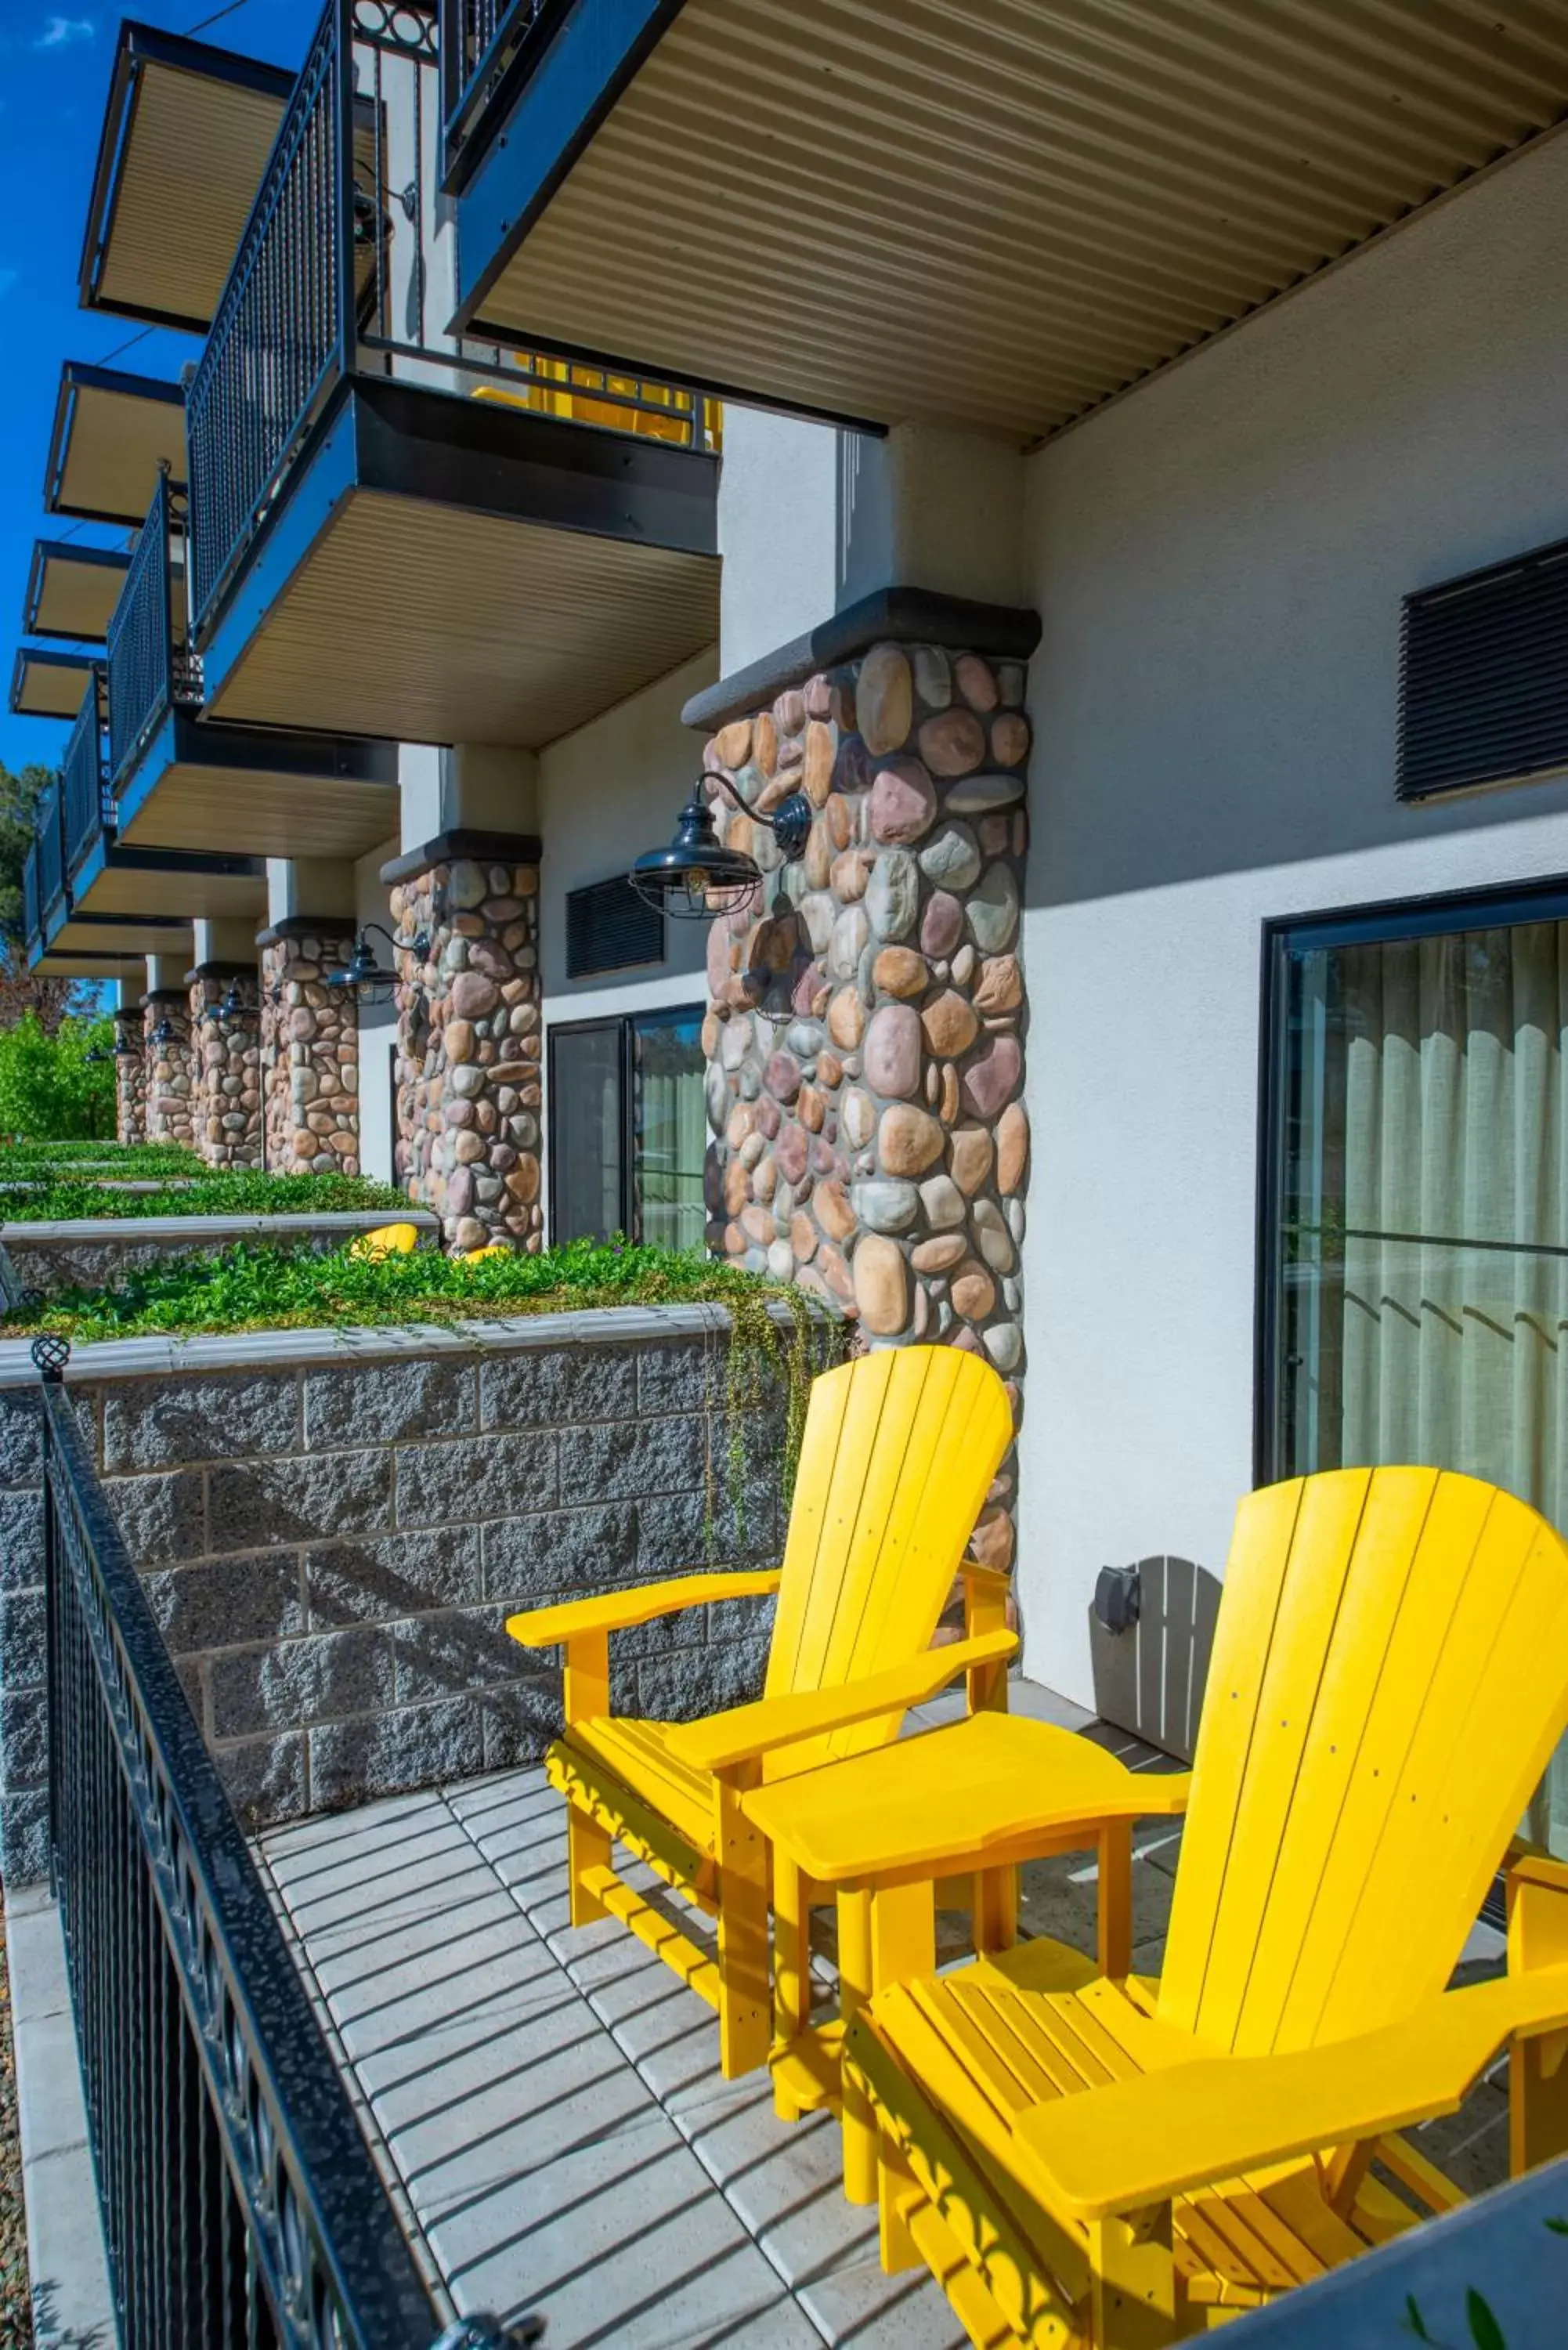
column 487, row 47
column 149, row 669
column 239, row 2201
column 51, row 855
column 82, row 779
column 331, row 279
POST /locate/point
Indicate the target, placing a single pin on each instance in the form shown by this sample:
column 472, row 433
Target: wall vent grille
column 609, row 927
column 1483, row 677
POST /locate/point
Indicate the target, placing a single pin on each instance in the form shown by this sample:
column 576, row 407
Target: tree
column 50, row 1090
column 51, row 999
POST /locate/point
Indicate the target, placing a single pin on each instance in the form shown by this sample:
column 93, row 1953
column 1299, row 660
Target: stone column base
column 129, row 1075
column 310, row 1047
column 170, row 1069
column 226, row 1056
column 468, row 1087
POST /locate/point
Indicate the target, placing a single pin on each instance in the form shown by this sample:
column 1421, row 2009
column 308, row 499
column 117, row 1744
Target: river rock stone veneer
column 310, row 1049
column 866, row 1029
column 226, row 1056
column 129, row 1075
column 469, row 1090
column 170, row 1069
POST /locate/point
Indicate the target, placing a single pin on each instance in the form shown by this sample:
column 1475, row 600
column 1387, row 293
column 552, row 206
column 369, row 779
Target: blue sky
column 53, row 82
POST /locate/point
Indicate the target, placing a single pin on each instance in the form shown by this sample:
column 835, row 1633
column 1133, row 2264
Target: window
column 1414, row 1204
column 628, row 1130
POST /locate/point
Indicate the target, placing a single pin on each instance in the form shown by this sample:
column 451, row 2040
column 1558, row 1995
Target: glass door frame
column 627, row 1024
column 1436, row 914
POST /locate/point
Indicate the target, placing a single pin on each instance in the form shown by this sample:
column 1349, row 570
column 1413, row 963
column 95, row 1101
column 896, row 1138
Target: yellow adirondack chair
column 1082, row 2161
column 897, row 1455
column 387, row 1240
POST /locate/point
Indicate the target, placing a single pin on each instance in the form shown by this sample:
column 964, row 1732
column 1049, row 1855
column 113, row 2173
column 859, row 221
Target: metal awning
column 118, row 934
column 112, row 432
column 46, row 683
column 72, row 589
column 988, row 211
column 186, row 135
column 75, row 964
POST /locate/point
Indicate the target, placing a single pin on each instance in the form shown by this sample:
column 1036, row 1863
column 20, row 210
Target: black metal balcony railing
column 32, row 916
column 241, row 2204
column 149, row 669
column 487, row 47
column 51, row 853
column 82, row 779
column 330, row 280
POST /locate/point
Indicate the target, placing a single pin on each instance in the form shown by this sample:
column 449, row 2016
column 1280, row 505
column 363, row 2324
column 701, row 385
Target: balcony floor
column 549, row 2105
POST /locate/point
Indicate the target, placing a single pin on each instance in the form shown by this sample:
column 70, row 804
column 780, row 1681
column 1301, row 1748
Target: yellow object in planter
column 387, row 1240
column 899, row 1451
column 491, row 1248
column 1120, row 2164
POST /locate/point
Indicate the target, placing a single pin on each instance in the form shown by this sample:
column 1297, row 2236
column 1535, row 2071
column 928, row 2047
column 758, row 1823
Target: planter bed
column 334, row 1525
column 97, row 1252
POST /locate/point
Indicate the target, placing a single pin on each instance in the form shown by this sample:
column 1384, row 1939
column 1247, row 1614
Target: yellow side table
column 885, row 1835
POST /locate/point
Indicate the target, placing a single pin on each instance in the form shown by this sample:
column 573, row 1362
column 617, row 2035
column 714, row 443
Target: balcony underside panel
column 51, row 964
column 187, row 173
column 112, row 434
column 48, row 684
column 218, row 790
column 171, row 891
column 74, row 591
column 88, row 936
column 430, row 623
column 981, row 211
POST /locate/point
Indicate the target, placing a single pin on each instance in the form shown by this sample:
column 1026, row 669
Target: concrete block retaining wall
column 93, row 1252
column 332, row 1528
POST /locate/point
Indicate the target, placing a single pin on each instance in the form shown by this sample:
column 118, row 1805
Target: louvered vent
column 1483, row 677
column 608, row 927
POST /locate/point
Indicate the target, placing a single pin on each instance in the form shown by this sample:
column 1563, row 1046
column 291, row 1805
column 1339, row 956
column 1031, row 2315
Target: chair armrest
column 1139, row 2142
column 613, row 1611
column 747, row 1732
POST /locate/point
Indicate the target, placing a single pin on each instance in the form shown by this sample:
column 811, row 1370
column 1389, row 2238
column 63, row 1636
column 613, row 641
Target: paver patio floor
column 547, row 2104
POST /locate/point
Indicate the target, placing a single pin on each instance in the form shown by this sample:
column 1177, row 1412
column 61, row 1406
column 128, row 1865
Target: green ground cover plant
column 109, row 1161
column 51, row 1197
column 253, row 1287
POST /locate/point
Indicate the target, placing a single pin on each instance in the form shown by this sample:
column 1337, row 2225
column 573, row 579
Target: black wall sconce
column 363, row 975
column 696, row 877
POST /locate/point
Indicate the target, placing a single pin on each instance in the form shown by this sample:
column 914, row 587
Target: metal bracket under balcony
column 441, row 568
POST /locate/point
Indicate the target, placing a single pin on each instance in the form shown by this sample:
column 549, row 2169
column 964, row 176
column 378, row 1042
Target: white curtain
column 672, row 1135
column 1454, row 1200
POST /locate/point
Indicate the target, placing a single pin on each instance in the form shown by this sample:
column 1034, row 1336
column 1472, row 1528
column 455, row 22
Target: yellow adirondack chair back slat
column 897, row 1455
column 1389, row 1677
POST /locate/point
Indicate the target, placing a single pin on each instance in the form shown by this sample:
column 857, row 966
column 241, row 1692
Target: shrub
column 48, row 1084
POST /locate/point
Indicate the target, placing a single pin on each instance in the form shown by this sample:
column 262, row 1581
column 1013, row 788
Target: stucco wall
column 1219, row 561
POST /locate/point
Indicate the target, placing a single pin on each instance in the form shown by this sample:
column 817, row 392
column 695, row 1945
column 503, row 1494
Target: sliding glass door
column 628, row 1129
column 1416, row 1274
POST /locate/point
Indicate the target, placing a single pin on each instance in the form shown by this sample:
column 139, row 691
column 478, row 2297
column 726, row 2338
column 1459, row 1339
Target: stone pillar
column 169, row 1068
column 130, row 1074
column 310, row 1047
column 864, row 1035
column 226, row 1055
column 468, row 1087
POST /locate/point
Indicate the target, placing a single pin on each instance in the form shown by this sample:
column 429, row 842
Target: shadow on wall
column 1150, row 1678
